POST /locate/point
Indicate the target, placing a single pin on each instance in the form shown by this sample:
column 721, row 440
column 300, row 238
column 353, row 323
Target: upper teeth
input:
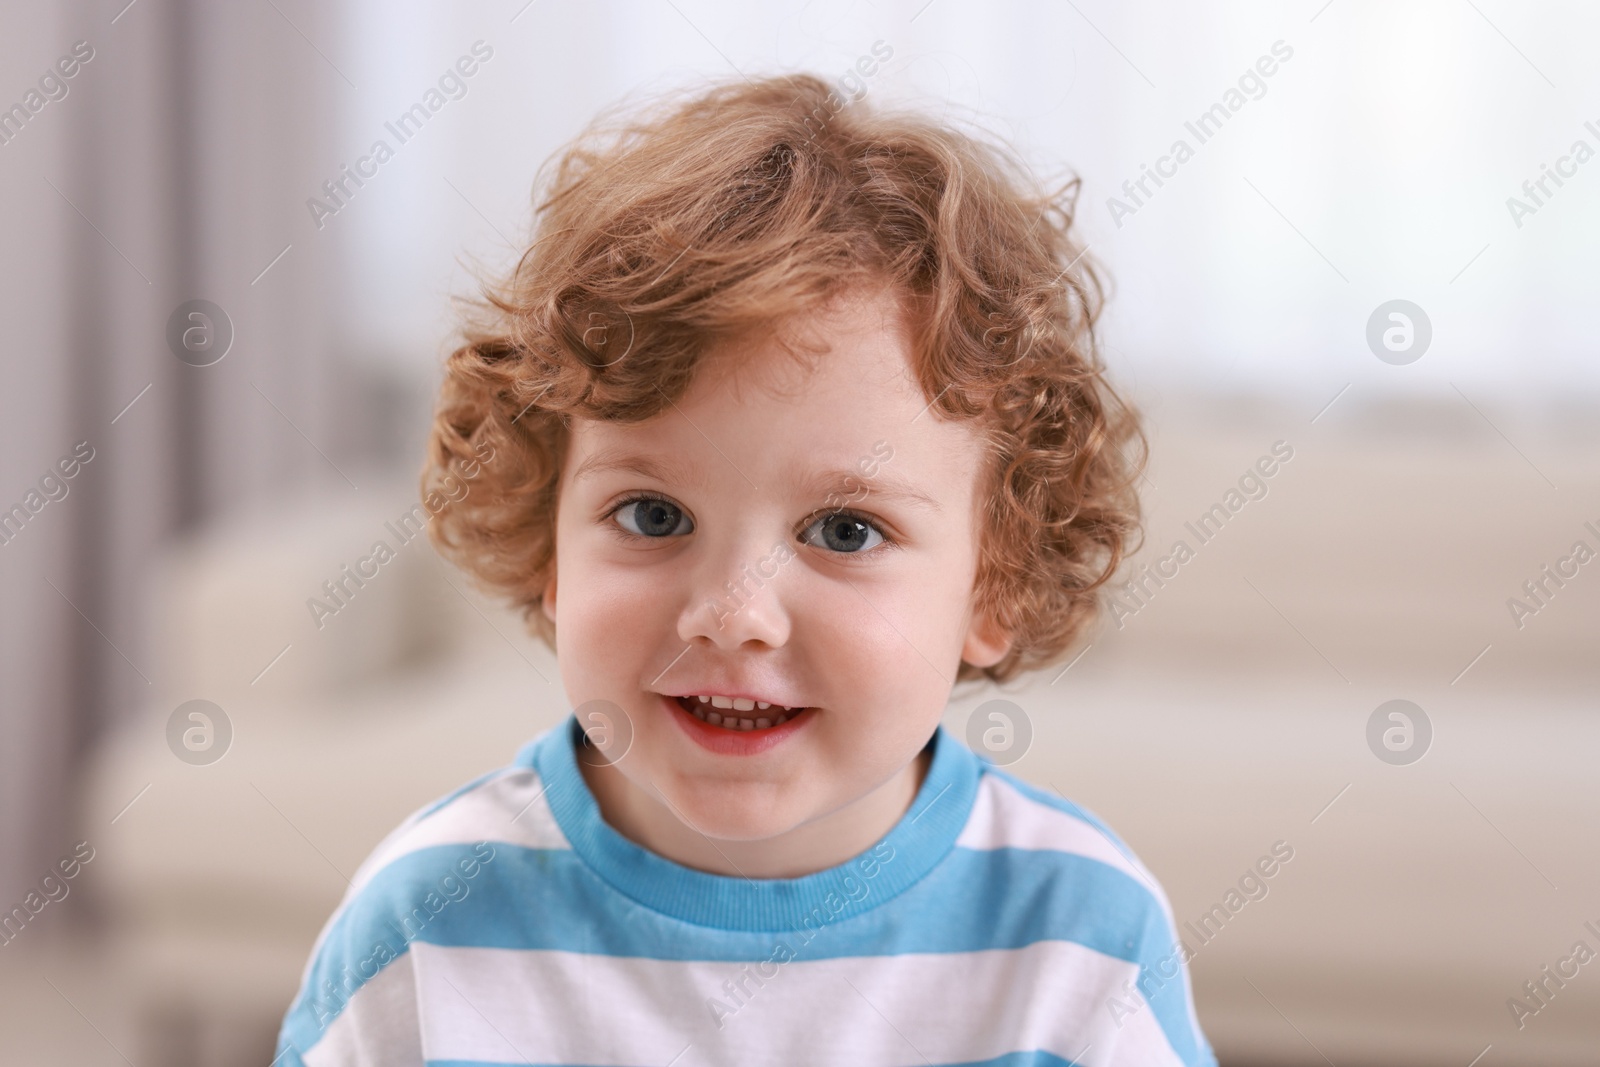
column 740, row 703
column 705, row 711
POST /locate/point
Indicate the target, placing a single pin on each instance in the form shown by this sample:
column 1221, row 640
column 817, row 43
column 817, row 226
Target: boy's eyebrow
column 845, row 483
column 849, row 484
column 668, row 471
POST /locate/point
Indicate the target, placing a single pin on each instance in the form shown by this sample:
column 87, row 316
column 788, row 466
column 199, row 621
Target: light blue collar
column 916, row 844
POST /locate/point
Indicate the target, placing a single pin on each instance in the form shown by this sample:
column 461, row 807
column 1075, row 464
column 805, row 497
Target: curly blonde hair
column 666, row 229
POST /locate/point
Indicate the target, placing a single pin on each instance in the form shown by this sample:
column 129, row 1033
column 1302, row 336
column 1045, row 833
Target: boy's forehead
column 848, row 403
column 854, row 345
column 901, row 450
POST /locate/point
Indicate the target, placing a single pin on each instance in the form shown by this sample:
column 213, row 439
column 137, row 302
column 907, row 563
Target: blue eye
column 655, row 517
column 844, row 532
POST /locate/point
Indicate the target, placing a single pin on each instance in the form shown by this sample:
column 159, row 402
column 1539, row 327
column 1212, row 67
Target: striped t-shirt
column 508, row 923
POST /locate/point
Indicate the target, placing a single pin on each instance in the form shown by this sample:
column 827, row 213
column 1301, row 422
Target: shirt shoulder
column 1061, row 874
column 356, row 1002
column 1009, row 813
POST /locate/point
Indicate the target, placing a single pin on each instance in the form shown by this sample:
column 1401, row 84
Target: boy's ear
column 986, row 645
column 548, row 602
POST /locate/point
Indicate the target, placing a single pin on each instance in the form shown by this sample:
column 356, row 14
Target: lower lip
column 725, row 742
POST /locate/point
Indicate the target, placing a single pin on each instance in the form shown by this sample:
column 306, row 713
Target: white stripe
column 378, row 1028
column 1003, row 817
column 482, row 814
column 571, row 1008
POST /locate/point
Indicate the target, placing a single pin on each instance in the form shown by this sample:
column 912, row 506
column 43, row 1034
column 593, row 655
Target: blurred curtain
column 175, row 168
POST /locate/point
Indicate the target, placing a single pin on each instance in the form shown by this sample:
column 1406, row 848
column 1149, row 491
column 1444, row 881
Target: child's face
column 738, row 575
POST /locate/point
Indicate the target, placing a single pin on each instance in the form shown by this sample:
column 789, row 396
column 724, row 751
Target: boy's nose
column 736, row 597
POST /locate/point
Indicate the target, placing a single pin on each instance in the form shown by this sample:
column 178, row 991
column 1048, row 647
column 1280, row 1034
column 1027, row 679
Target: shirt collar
column 923, row 836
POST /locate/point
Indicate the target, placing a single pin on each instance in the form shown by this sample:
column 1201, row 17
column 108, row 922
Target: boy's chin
column 729, row 813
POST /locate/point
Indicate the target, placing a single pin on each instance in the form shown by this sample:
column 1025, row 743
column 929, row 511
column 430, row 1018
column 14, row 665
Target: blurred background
column 218, row 375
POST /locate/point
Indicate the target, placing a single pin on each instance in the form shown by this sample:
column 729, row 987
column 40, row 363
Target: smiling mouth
column 738, row 721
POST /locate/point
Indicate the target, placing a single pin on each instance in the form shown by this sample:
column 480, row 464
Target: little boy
column 795, row 428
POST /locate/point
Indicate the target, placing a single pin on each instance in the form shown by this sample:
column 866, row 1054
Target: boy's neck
column 814, row 846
